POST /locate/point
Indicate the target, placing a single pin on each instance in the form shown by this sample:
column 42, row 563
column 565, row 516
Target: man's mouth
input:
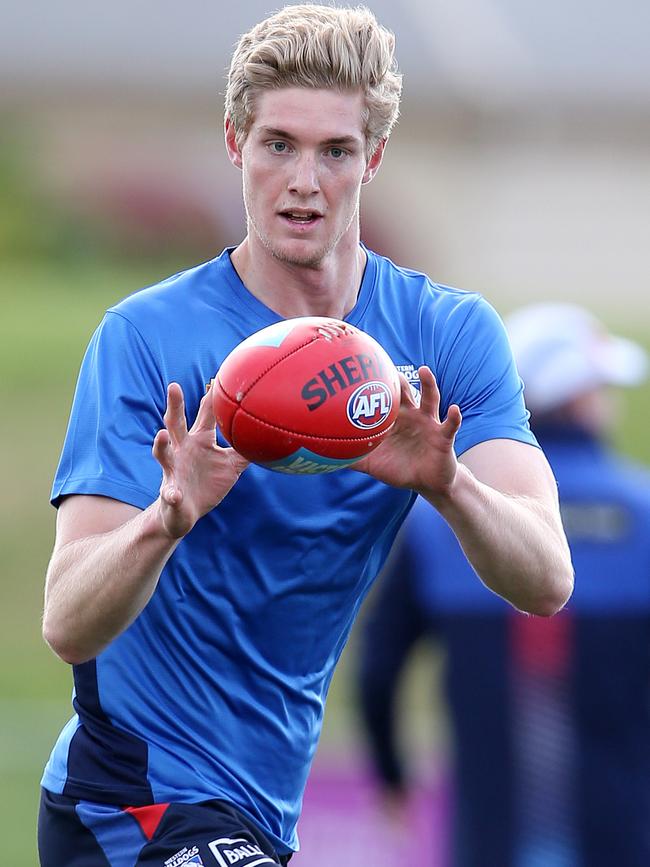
column 300, row 216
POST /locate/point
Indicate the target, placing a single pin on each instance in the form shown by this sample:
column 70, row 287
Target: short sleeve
column 475, row 369
column 117, row 410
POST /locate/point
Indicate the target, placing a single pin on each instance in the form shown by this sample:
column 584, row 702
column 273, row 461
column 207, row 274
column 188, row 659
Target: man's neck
column 331, row 289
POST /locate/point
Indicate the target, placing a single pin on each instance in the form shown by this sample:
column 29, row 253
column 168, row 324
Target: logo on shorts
column 185, row 858
column 369, row 405
column 238, row 851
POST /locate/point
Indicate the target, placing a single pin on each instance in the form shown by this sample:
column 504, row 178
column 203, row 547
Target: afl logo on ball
column 369, row 405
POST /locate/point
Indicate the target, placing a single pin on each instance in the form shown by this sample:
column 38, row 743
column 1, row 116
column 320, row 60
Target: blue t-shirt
column 217, row 689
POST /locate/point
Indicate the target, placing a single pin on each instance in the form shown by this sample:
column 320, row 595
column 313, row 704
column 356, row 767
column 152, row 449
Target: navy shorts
column 74, row 833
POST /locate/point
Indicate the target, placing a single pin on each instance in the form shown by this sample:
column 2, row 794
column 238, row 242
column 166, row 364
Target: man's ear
column 234, row 154
column 372, row 166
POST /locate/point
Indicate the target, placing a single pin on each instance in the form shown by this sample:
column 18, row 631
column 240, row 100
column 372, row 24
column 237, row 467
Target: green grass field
column 48, row 313
column 47, row 316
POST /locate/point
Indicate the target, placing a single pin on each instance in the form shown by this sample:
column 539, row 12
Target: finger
column 163, row 453
column 174, row 418
column 405, row 391
column 205, row 419
column 452, row 423
column 430, row 403
column 161, row 449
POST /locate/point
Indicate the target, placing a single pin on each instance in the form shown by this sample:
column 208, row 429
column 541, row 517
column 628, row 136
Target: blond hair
column 327, row 47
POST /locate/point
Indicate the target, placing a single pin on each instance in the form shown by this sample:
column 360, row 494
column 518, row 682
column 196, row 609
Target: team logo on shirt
column 185, row 858
column 411, row 373
column 238, row 851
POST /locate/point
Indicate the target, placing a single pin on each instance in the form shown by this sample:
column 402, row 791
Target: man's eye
column 278, row 147
column 337, row 153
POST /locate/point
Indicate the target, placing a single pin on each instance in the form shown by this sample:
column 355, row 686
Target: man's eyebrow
column 277, row 133
column 334, row 140
column 342, row 140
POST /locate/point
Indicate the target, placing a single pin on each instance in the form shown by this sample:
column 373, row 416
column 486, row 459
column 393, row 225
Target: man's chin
column 299, row 255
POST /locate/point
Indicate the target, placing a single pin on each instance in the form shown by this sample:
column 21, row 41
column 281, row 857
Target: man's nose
column 304, row 179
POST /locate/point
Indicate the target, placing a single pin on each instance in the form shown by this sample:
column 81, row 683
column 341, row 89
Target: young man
column 203, row 602
column 549, row 718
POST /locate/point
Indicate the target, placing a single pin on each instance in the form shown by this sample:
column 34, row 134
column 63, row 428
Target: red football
column 306, row 395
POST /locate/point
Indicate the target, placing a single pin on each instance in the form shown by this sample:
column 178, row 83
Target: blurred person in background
column 550, row 718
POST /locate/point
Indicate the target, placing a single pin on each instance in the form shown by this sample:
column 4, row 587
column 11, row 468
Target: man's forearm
column 515, row 544
column 96, row 586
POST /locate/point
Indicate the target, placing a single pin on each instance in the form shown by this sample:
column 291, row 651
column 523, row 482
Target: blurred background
column 519, row 168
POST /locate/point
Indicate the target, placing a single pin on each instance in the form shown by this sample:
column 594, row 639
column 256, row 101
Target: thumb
column 451, row 425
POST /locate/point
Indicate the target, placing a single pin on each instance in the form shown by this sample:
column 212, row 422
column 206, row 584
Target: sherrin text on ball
column 306, row 395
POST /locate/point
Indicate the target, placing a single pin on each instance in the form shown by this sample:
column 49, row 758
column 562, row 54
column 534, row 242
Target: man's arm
column 503, row 508
column 500, row 500
column 108, row 555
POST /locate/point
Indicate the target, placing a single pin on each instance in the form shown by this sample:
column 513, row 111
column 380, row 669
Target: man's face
column 303, row 164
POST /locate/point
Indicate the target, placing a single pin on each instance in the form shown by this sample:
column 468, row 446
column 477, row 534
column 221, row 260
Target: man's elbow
column 558, row 593
column 59, row 641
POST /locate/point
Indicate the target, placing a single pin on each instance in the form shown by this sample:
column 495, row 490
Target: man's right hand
column 197, row 472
